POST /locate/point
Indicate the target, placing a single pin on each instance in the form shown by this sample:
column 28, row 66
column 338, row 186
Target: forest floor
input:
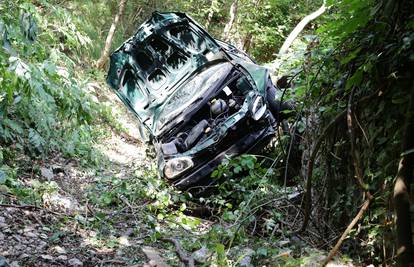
column 64, row 231
column 98, row 216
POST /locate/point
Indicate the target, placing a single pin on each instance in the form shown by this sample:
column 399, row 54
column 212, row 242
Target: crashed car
column 197, row 99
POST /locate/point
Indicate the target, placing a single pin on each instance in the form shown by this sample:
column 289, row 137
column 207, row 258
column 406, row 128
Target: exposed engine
column 210, row 116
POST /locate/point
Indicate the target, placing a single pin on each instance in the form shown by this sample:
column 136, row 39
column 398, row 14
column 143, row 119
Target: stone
column 43, row 236
column 62, row 258
column 30, row 235
column 246, row 259
column 75, row 262
column 41, row 245
column 201, row 255
column 23, row 256
column 47, row 257
column 46, row 173
column 59, row 250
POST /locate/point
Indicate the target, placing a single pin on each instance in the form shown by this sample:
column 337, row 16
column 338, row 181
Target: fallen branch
column 359, row 177
column 188, row 260
column 29, row 207
column 361, row 213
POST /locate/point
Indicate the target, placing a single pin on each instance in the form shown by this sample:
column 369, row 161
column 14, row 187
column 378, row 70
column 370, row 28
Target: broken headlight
column 258, row 108
column 176, row 166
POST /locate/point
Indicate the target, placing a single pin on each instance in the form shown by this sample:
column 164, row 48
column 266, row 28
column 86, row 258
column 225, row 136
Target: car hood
column 164, row 67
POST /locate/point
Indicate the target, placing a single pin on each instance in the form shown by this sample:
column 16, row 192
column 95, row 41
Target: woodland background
column 72, row 169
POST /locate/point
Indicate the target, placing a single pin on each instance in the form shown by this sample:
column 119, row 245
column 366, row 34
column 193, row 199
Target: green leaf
column 3, row 177
column 262, row 251
column 350, row 56
column 355, row 80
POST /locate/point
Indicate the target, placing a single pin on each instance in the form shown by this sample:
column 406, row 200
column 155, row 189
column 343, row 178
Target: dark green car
column 197, row 99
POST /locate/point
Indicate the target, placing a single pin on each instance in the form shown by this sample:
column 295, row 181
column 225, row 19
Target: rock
column 1, row 237
column 43, row 236
column 201, row 255
column 75, row 262
column 30, row 235
column 246, row 257
column 46, row 173
column 123, row 240
column 152, row 263
column 28, row 229
column 283, row 242
column 2, row 219
column 18, row 238
column 62, row 258
column 129, row 232
column 59, row 250
column 47, row 257
column 19, row 247
column 41, row 245
column 14, row 264
column 23, row 256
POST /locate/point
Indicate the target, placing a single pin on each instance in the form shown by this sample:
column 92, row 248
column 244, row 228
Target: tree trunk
column 229, row 25
column 214, row 4
column 247, row 41
column 405, row 251
column 299, row 28
column 108, row 42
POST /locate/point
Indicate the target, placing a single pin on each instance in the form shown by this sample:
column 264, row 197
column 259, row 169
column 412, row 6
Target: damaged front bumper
column 241, row 132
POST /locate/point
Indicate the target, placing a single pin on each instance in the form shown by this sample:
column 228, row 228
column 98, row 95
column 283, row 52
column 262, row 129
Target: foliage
column 48, row 107
column 357, row 54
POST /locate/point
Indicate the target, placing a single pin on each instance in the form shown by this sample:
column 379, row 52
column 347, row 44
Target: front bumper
column 200, row 177
column 243, row 136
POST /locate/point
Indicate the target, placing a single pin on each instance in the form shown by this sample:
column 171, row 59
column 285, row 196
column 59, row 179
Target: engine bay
column 209, row 117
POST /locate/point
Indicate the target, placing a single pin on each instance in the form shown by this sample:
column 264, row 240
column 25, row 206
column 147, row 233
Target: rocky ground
column 84, row 217
column 66, row 229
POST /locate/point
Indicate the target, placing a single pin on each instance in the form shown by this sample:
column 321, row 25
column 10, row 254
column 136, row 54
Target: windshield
column 191, row 91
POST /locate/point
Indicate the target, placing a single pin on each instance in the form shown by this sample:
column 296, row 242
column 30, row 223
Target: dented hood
column 164, row 67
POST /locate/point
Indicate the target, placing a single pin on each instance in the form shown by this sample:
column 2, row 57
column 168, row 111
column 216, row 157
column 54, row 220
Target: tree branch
column 188, row 260
column 404, row 179
column 308, row 195
column 299, row 28
column 108, row 42
column 359, row 177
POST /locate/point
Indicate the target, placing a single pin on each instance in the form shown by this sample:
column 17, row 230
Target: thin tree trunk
column 404, row 179
column 229, row 25
column 108, row 42
column 299, row 28
column 247, row 41
column 211, row 13
column 351, row 117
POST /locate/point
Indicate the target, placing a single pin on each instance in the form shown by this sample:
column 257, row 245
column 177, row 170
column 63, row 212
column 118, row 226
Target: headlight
column 176, row 166
column 258, row 108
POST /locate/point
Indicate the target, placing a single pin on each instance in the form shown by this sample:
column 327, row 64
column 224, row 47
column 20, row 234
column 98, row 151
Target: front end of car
column 232, row 120
column 198, row 99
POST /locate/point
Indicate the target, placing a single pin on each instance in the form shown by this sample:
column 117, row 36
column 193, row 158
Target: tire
column 273, row 96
